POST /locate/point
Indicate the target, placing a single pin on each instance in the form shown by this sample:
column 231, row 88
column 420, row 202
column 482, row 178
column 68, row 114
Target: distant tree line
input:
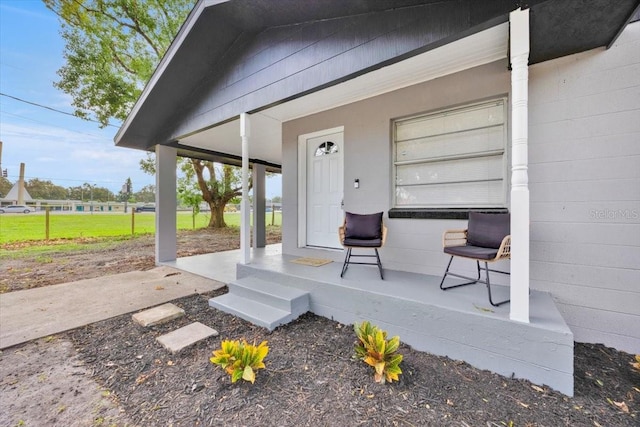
column 46, row 190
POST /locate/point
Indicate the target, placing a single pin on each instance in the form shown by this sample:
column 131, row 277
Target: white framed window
column 454, row 158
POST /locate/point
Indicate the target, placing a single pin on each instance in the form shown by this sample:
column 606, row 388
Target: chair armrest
column 505, row 248
column 456, row 237
column 341, row 233
column 384, row 235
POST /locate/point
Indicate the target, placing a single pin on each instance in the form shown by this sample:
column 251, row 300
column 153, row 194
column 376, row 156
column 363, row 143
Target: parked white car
column 15, row 209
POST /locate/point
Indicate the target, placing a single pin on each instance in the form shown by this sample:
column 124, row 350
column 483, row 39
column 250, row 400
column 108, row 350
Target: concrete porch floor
column 459, row 323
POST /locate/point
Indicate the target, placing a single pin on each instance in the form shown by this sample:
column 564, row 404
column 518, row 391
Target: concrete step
column 270, row 293
column 157, row 315
column 184, row 337
column 252, row 311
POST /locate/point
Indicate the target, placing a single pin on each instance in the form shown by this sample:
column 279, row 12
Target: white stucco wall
column 412, row 244
column 584, row 170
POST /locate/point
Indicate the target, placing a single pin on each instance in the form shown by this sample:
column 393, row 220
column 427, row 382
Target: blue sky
column 65, row 150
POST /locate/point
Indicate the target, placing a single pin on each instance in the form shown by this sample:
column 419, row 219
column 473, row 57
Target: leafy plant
column 636, row 364
column 375, row 350
column 240, row 359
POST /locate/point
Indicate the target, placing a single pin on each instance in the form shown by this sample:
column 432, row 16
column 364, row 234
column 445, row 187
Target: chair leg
column 347, row 257
column 447, row 272
column 347, row 261
column 486, row 272
column 379, row 263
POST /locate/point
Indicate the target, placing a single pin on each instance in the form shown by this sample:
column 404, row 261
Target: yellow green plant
column 240, row 359
column 375, row 350
column 636, row 364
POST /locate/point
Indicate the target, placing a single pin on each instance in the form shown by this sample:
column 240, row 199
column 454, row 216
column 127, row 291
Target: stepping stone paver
column 185, row 336
column 157, row 315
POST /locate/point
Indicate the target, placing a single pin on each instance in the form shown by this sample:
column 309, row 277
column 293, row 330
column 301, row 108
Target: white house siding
column 413, row 245
column 584, row 170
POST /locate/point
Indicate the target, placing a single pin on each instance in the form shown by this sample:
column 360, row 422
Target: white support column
column 245, row 207
column 166, row 204
column 259, row 199
column 519, row 36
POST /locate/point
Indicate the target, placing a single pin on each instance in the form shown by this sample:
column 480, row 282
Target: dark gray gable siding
column 285, row 62
column 248, row 55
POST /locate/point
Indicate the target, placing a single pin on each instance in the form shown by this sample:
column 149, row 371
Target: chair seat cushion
column 475, row 252
column 363, row 243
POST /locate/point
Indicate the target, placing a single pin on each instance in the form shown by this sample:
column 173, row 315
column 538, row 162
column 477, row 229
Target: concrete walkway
column 40, row 312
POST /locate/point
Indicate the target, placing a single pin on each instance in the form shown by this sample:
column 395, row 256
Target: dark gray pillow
column 488, row 230
column 363, row 226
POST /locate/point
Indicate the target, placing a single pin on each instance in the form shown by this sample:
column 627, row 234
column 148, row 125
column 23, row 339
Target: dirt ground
column 100, row 257
column 114, row 373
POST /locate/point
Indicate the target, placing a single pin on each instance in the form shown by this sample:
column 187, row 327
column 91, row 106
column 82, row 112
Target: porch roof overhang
column 193, row 101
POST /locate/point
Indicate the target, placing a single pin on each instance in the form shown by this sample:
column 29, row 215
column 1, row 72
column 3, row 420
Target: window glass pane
column 325, row 148
column 453, row 158
column 480, row 116
column 464, row 170
column 456, row 144
column 474, row 194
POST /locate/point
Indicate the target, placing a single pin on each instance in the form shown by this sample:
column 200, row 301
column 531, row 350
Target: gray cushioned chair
column 486, row 239
column 363, row 232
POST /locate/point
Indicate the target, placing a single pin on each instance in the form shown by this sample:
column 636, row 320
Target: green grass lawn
column 24, row 227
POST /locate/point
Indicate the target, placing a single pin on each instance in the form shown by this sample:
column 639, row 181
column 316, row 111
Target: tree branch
column 136, row 28
column 116, row 58
column 140, row 31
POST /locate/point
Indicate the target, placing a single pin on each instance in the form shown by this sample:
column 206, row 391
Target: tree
column 102, row 194
column 94, row 193
column 224, row 183
column 216, row 184
column 112, row 48
column 5, row 186
column 75, row 193
column 85, row 191
column 147, row 194
column 46, row 190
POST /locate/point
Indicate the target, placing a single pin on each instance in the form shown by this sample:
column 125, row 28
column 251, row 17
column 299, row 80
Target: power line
column 51, row 108
column 49, row 124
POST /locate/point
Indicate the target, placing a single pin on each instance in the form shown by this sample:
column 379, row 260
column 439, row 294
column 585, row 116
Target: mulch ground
column 311, row 378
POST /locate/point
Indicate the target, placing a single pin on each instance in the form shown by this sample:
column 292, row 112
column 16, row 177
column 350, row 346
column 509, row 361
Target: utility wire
column 49, row 124
column 51, row 108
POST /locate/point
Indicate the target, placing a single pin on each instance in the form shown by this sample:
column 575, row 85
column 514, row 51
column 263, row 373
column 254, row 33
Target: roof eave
column 191, row 20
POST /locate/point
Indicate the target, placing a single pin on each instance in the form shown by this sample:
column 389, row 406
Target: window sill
column 439, row 213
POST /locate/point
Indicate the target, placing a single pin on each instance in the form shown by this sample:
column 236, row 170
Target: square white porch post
column 519, row 36
column 245, row 207
column 166, row 204
column 259, row 200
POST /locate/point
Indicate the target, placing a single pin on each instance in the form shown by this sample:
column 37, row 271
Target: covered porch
column 259, row 83
column 459, row 323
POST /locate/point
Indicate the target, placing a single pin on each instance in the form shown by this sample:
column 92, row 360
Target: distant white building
column 12, row 196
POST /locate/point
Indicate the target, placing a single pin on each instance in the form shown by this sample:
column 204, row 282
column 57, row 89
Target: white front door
column 324, row 189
